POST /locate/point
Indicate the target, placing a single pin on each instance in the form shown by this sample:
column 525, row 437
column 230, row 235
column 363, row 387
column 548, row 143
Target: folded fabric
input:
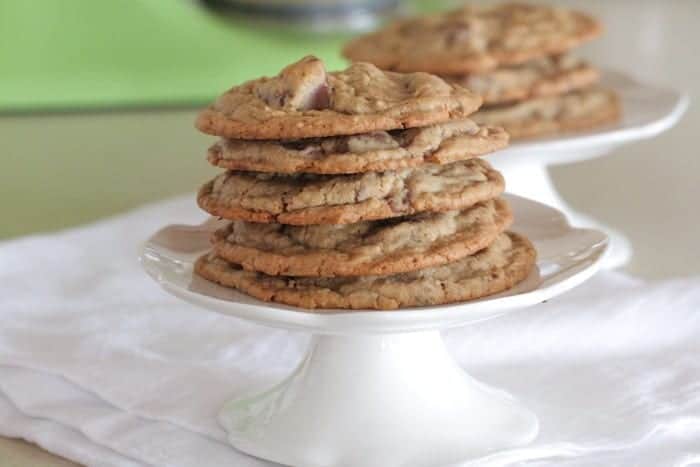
column 92, row 347
column 57, row 438
column 94, row 425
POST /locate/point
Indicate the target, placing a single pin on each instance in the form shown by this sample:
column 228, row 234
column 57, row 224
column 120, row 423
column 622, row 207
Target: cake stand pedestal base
column 383, row 399
column 379, row 388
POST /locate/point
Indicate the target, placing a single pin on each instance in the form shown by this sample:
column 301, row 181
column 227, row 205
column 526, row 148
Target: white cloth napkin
column 101, row 366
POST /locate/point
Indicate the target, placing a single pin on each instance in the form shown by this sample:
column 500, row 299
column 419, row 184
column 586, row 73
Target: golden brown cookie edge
column 331, row 263
column 323, row 300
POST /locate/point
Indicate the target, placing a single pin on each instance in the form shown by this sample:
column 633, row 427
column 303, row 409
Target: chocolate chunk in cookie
column 342, row 199
column 540, row 77
column 474, row 39
column 507, row 261
column 379, row 247
column 577, row 110
column 306, row 101
column 366, row 152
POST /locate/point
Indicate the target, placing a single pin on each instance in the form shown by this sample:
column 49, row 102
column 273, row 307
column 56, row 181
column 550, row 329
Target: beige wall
column 649, row 190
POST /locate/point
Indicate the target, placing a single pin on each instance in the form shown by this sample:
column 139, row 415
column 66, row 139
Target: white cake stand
column 647, row 111
column 379, row 388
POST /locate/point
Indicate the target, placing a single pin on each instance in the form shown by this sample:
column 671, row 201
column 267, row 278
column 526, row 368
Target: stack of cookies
column 357, row 189
column 515, row 56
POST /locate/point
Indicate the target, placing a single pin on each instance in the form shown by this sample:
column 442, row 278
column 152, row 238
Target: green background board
column 57, row 54
column 68, row 54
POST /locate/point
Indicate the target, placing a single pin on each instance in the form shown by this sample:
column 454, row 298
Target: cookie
column 379, row 247
column 305, row 101
column 507, row 261
column 368, row 152
column 578, row 110
column 302, row 199
column 545, row 76
column 473, row 39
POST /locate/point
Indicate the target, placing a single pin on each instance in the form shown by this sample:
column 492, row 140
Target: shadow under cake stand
column 379, row 387
column 647, row 111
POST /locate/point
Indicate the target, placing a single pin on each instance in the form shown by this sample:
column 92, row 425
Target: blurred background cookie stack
column 516, row 56
column 357, row 189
